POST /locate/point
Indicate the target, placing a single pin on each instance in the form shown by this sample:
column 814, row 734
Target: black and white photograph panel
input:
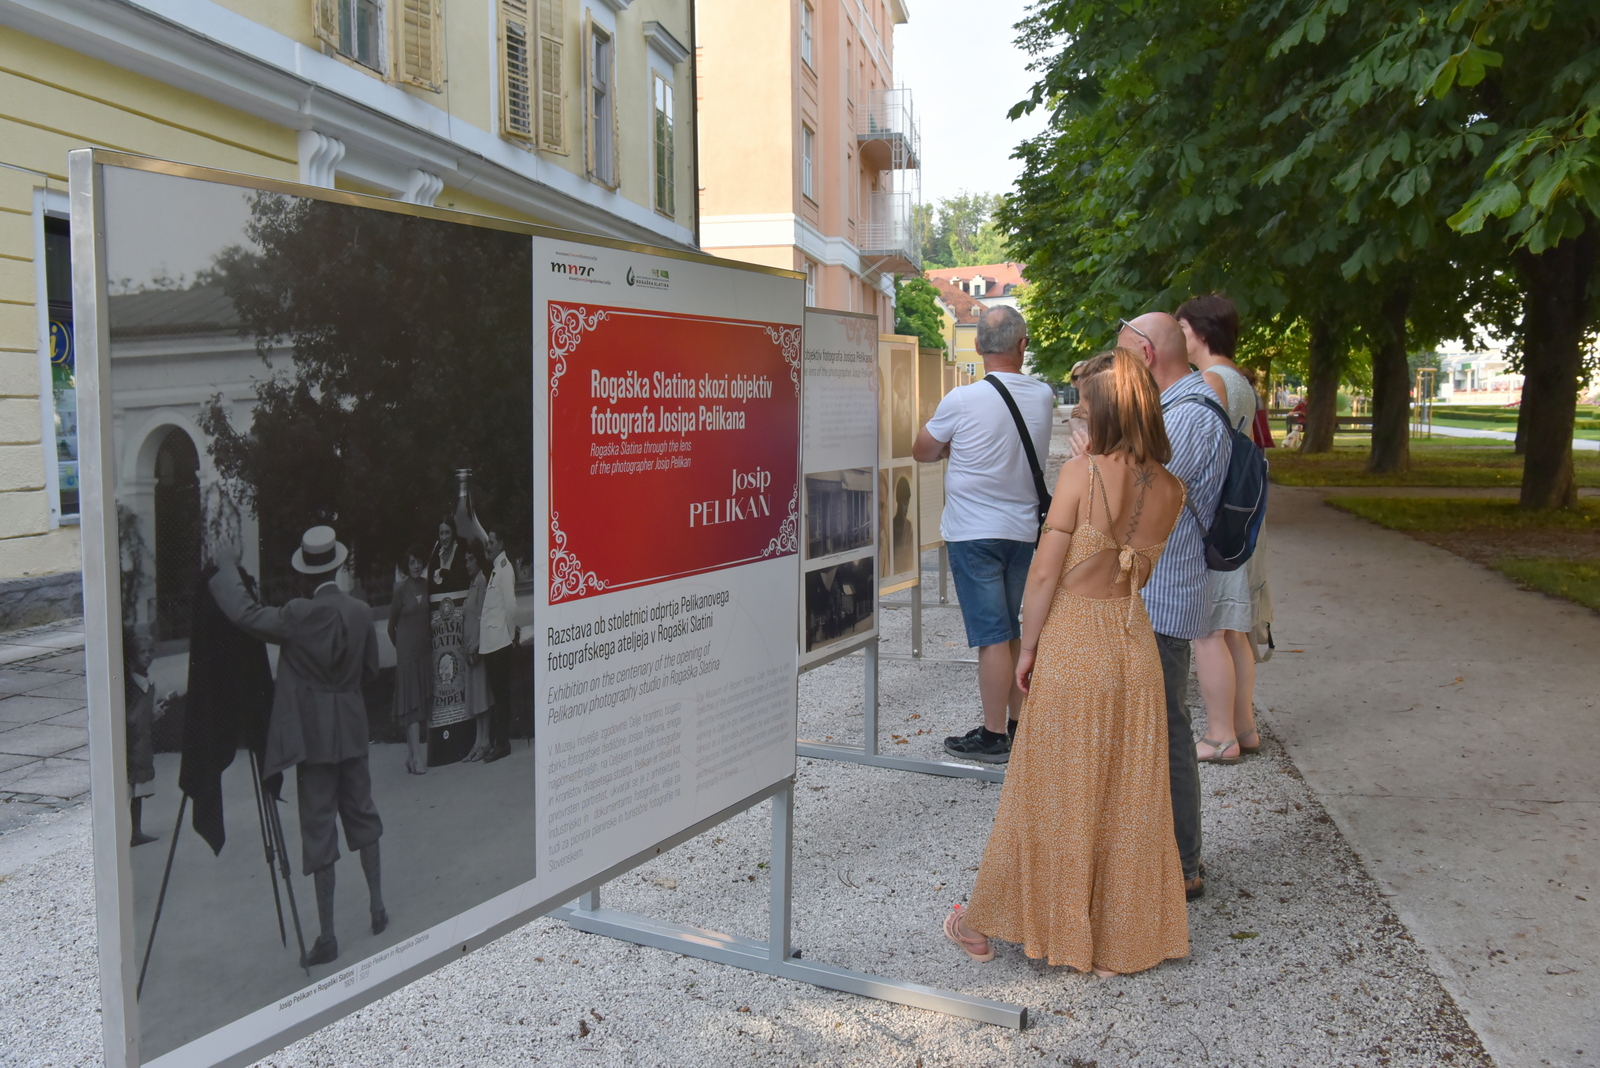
column 902, row 521
column 838, row 511
column 321, row 427
column 839, row 602
column 902, row 400
column 885, row 514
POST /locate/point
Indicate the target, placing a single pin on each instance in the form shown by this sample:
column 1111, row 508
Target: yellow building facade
column 809, row 153
column 572, row 113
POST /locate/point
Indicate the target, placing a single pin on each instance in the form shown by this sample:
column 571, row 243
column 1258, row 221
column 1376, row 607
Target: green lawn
column 1575, row 580
column 1481, row 529
column 1434, row 462
column 1461, row 513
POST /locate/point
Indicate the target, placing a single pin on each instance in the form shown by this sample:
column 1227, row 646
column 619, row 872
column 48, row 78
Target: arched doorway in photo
column 177, row 528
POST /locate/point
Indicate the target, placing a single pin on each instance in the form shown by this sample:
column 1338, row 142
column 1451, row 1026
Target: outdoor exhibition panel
column 898, row 566
column 910, row 383
column 562, row 479
column 931, row 388
column 839, row 461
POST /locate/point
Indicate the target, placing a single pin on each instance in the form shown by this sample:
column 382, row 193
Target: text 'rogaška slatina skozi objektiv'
column 671, row 419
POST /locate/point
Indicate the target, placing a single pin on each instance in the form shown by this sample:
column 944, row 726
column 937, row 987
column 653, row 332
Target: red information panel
column 672, row 445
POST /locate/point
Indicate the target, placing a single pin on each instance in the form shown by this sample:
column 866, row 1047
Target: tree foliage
column 1321, row 162
column 916, row 311
column 962, row 231
column 1491, row 108
column 411, row 342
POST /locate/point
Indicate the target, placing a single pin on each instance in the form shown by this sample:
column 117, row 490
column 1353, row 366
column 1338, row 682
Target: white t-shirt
column 988, row 486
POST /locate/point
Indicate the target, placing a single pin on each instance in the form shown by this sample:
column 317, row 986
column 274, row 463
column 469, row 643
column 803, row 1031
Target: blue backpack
column 1230, row 540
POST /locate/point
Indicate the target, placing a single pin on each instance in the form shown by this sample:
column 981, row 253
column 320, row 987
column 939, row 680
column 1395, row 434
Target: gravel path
column 1296, row 957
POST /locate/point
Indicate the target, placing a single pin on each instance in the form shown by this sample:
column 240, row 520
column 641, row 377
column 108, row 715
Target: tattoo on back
column 1144, row 478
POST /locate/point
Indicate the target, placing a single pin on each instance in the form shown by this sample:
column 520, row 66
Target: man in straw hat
column 319, row 716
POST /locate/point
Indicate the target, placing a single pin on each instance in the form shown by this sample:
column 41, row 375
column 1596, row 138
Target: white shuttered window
column 354, row 28
column 808, row 141
column 600, row 107
column 419, row 58
column 516, row 70
column 552, row 75
column 665, row 146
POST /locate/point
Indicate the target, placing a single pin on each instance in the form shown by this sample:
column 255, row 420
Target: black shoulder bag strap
column 1027, row 446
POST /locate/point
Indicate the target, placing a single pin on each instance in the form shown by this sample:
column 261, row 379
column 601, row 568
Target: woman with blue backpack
column 1225, row 658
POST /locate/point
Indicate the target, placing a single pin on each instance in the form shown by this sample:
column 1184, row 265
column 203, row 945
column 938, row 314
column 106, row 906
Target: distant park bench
column 1341, row 421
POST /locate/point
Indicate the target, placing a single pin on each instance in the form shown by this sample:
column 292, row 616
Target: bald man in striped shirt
column 1176, row 596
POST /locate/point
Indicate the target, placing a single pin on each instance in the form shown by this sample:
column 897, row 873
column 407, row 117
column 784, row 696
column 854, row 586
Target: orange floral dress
column 1082, row 868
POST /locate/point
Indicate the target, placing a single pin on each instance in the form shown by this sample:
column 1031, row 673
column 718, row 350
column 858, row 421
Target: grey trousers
column 1183, row 768
column 326, row 790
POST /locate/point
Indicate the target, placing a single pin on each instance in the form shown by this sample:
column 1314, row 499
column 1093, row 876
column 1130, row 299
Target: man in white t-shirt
column 991, row 517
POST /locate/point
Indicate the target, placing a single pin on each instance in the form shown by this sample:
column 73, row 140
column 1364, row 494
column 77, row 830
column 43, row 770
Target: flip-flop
column 1217, row 749
column 954, row 935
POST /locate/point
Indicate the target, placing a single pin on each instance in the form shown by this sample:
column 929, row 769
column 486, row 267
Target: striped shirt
column 1176, row 595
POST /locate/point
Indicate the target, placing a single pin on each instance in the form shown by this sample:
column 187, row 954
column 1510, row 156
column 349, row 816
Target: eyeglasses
column 1124, row 324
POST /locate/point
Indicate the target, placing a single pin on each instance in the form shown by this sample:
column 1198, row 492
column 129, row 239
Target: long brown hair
column 1124, row 407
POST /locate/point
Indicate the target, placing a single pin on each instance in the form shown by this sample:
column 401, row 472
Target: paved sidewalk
column 1447, row 719
column 44, row 736
column 1503, row 435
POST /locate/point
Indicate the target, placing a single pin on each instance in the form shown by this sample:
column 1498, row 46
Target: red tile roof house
column 996, row 283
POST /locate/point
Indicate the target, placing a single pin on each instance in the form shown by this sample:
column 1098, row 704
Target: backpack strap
column 1027, row 443
column 1200, row 398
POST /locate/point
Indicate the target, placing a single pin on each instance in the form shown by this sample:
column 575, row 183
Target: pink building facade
column 809, row 155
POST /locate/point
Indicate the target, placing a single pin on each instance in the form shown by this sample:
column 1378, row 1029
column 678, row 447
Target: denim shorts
column 990, row 575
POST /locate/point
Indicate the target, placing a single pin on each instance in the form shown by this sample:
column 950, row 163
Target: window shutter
column 587, row 73
column 325, row 13
column 419, row 59
column 552, row 75
column 516, row 86
column 616, row 124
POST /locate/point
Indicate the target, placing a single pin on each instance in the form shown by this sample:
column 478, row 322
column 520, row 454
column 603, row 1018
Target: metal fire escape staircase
column 888, row 141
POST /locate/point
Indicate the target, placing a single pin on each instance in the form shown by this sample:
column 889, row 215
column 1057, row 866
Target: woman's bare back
column 1121, row 514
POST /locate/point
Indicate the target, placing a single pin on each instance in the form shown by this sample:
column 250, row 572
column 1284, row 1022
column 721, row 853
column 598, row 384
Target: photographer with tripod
column 319, row 716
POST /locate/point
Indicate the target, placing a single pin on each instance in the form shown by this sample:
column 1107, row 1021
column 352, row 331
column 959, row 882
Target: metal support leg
column 780, row 869
column 916, row 618
column 944, row 573
column 868, row 753
column 590, row 902
column 775, row 956
column 869, row 702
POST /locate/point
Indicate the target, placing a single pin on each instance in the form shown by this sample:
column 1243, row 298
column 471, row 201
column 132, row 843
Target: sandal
column 1217, row 751
column 952, row 931
column 1250, row 750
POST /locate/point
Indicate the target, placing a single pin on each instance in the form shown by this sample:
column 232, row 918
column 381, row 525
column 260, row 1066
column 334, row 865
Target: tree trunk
column 1391, row 387
column 1556, row 310
column 1322, row 385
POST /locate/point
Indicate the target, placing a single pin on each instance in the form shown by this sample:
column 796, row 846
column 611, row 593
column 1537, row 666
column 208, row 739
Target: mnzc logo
column 572, row 268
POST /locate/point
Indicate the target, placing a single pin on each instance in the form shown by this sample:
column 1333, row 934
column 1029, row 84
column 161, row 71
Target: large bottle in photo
column 467, row 525
column 451, row 730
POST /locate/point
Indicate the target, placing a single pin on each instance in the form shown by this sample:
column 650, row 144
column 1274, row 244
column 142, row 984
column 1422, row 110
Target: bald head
column 1159, row 339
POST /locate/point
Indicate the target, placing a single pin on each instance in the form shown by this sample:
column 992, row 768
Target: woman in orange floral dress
column 1082, row 868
